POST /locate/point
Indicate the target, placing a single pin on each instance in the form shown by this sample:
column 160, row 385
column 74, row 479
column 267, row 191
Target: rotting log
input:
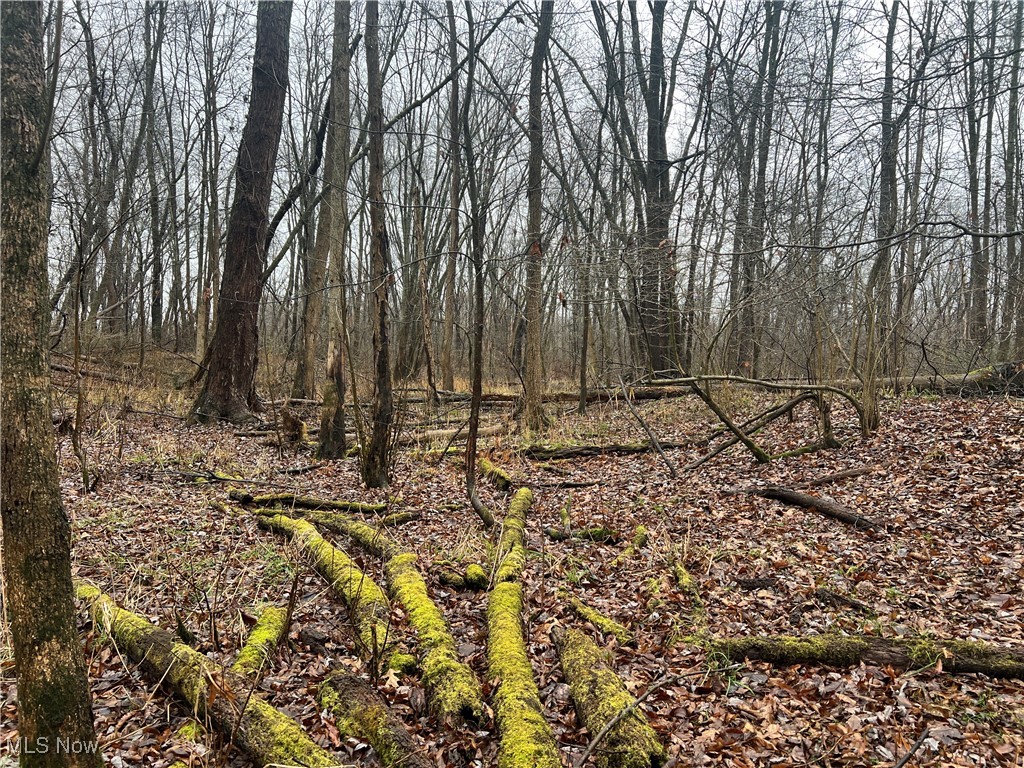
column 601, row 697
column 821, row 504
column 453, row 689
column 525, row 739
column 953, row 656
column 605, row 624
column 638, row 542
column 266, row 735
column 360, row 712
column 263, row 639
column 450, row 435
column 501, row 479
column 835, row 477
column 598, row 534
column 368, row 606
column 399, row 518
column 292, row 500
column 548, row 452
column 510, row 557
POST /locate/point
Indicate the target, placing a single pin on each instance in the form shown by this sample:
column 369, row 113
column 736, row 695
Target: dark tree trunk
column 533, row 386
column 229, row 391
column 53, row 690
column 377, row 457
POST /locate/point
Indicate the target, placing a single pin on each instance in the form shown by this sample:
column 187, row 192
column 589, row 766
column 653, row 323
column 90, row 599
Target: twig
column 913, row 748
column 650, row 433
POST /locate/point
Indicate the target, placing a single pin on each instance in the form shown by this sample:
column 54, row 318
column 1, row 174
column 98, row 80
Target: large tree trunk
column 53, row 691
column 533, row 380
column 229, row 391
column 454, row 152
column 376, row 463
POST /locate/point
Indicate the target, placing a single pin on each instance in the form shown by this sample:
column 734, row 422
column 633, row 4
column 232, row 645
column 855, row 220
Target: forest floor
column 947, row 483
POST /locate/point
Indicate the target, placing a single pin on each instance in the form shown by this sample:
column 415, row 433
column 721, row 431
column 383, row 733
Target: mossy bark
column 600, row 697
column 511, row 553
column 526, row 740
column 360, row 712
column 287, row 500
column 954, row 656
column 255, row 655
column 452, row 686
column 638, row 542
column 599, row 534
column 501, row 479
column 367, row 604
column 603, row 623
column 226, row 699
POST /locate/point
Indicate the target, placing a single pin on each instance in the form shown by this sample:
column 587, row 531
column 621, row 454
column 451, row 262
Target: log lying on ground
column 266, row 735
column 638, row 542
column 599, row 534
column 510, row 556
column 360, row 712
column 452, row 435
column 263, row 639
column 367, row 604
column 474, row 578
column 547, row 452
column 605, row 624
column 293, row 500
column 825, row 506
column 835, row 477
column 955, row 656
column 601, row 697
column 494, row 473
column 453, row 689
column 526, row 740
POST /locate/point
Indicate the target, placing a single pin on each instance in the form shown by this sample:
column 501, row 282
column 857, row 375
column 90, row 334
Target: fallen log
column 263, row 639
column 368, row 606
column 599, row 534
column 438, row 435
column 292, row 500
column 835, row 477
column 605, row 624
column 547, row 452
column 452, row 686
column 820, row 504
column 501, row 479
column 600, row 698
column 525, row 739
column 266, row 735
column 952, row 656
column 638, row 542
column 360, row 712
column 89, row 374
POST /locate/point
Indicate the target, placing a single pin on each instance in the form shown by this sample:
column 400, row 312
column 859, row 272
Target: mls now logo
column 45, row 745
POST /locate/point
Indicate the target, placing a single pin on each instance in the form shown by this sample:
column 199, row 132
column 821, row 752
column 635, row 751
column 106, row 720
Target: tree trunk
column 229, row 390
column 376, row 463
column 53, row 691
column 533, row 380
column 454, row 157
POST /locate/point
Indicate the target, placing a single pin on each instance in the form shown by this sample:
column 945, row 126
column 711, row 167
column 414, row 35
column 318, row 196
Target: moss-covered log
column 600, row 534
column 638, row 542
column 954, row 656
column 511, row 553
column 526, row 740
column 259, row 647
column 605, row 624
column 501, row 479
column 219, row 695
column 399, row 518
column 601, row 697
column 293, row 500
column 367, row 604
column 452, row 686
column 360, row 712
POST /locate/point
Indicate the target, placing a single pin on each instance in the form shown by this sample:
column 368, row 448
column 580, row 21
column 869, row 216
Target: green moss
column 261, row 643
column 501, row 479
column 607, row 625
column 452, row 686
column 369, row 607
column 638, row 542
column 405, row 663
column 834, row 650
column 191, row 731
column 511, row 551
column 600, row 697
column 476, row 577
column 526, row 740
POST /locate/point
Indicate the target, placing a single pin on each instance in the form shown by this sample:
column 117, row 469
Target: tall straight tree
column 532, row 408
column 229, row 391
column 376, row 461
column 53, row 690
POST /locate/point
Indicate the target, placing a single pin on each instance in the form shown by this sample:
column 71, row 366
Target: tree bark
column 53, row 690
column 229, row 391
